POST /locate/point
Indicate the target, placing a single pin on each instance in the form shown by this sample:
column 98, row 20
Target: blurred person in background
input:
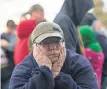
column 92, row 51
column 98, row 26
column 103, row 42
column 8, row 41
column 89, row 19
column 10, row 35
column 23, row 17
column 37, row 13
column 51, row 65
column 69, row 17
column 101, row 35
column 24, row 29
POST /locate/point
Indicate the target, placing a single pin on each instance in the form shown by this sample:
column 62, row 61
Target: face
column 39, row 15
column 98, row 25
column 9, row 30
column 51, row 47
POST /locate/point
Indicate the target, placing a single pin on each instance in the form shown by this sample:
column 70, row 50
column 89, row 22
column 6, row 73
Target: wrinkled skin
column 50, row 55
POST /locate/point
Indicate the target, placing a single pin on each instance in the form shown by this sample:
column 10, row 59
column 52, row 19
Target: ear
column 64, row 43
column 34, row 46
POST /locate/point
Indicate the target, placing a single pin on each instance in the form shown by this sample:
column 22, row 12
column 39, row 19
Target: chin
column 54, row 60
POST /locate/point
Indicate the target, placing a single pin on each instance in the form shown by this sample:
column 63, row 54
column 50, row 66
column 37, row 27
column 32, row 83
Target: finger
column 55, row 74
column 61, row 54
column 35, row 48
column 57, row 66
column 64, row 52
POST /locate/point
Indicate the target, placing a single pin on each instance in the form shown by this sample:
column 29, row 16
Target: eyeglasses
column 47, row 44
column 51, row 42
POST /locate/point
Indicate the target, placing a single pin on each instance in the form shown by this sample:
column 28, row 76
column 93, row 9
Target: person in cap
column 51, row 65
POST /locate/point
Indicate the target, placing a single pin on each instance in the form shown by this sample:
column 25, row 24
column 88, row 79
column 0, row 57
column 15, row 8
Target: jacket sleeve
column 11, row 42
column 11, row 45
column 83, row 78
column 39, row 78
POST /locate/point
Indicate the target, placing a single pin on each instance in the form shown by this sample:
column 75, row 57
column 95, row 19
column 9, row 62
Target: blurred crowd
column 84, row 34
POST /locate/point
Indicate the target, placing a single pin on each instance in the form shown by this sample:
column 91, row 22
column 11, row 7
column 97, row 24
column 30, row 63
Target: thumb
column 55, row 74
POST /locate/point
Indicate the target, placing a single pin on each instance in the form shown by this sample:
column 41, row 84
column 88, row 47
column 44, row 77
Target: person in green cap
column 92, row 50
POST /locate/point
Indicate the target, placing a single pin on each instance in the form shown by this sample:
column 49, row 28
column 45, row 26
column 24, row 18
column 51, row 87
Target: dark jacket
column 76, row 73
column 69, row 17
column 70, row 33
column 88, row 19
column 103, row 42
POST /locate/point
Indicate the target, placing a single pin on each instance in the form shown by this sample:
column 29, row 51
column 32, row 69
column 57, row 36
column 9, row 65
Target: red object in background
column 96, row 60
column 24, row 29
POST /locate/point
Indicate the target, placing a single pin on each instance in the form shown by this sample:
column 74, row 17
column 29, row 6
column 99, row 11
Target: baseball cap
column 44, row 30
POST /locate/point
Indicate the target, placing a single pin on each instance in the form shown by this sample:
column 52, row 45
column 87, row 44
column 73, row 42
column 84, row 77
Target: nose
column 52, row 46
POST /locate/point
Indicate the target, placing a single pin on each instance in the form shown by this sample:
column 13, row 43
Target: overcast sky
column 12, row 9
